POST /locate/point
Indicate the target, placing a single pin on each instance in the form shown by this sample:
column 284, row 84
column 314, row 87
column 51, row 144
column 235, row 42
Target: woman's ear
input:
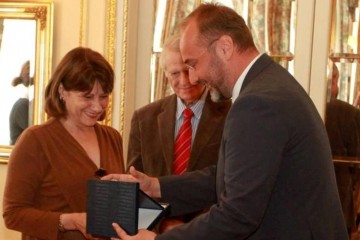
column 61, row 91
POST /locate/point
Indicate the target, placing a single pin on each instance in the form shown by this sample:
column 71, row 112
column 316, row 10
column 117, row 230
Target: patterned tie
column 182, row 146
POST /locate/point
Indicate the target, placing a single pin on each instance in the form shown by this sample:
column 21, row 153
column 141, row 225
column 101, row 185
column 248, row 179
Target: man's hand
column 142, row 234
column 150, row 185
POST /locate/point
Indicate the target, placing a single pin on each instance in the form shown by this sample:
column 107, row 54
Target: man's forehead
column 188, row 41
column 174, row 61
column 189, row 34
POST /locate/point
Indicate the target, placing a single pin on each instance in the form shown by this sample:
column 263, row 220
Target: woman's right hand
column 74, row 221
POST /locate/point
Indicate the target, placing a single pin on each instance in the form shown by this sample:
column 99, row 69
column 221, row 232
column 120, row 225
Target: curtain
column 270, row 22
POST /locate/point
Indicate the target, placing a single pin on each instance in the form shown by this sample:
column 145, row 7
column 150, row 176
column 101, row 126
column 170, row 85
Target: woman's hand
column 74, row 221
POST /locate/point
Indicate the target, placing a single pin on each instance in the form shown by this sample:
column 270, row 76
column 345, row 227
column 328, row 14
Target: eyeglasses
column 190, row 64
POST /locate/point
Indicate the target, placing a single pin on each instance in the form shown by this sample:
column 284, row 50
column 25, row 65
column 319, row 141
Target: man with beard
column 275, row 177
column 155, row 128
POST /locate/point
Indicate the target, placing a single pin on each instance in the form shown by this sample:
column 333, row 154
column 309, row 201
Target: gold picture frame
column 42, row 12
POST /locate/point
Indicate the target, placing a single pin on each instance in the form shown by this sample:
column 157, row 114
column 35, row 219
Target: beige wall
column 68, row 26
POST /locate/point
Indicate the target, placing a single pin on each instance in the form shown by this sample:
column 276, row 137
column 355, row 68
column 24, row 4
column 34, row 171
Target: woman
column 45, row 192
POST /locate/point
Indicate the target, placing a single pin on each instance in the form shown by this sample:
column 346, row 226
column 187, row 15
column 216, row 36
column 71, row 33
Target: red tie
column 182, row 146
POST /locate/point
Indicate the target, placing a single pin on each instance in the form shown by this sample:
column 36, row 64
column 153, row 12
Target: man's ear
column 225, row 46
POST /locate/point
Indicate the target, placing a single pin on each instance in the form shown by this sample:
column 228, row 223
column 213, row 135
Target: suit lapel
column 211, row 117
column 166, row 126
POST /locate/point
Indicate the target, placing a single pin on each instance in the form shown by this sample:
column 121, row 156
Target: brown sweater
column 47, row 175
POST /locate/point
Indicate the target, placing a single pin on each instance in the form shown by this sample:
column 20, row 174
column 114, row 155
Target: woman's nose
column 97, row 105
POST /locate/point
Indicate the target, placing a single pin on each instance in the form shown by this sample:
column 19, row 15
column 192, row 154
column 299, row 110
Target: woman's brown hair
column 77, row 71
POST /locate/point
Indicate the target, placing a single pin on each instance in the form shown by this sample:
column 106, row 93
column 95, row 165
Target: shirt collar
column 196, row 107
column 240, row 81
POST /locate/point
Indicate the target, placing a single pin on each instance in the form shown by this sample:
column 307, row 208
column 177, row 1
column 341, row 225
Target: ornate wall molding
column 40, row 14
column 124, row 66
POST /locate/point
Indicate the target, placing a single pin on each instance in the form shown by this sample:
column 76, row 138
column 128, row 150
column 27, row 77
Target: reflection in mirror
column 25, row 65
column 16, row 67
column 343, row 79
column 344, row 49
column 272, row 24
column 342, row 118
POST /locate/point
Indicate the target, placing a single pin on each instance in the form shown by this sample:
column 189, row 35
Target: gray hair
column 172, row 44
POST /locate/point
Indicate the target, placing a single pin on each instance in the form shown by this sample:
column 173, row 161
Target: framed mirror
column 25, row 64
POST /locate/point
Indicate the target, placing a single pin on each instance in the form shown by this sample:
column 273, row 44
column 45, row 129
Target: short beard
column 216, row 95
column 216, row 71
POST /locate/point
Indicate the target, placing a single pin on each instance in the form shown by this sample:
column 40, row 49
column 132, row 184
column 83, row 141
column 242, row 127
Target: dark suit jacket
column 275, row 178
column 151, row 141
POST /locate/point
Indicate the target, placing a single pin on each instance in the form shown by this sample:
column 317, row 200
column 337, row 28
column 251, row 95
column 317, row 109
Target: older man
column 156, row 128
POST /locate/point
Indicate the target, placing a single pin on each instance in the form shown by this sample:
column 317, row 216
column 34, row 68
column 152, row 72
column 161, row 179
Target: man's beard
column 217, row 71
column 216, row 95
